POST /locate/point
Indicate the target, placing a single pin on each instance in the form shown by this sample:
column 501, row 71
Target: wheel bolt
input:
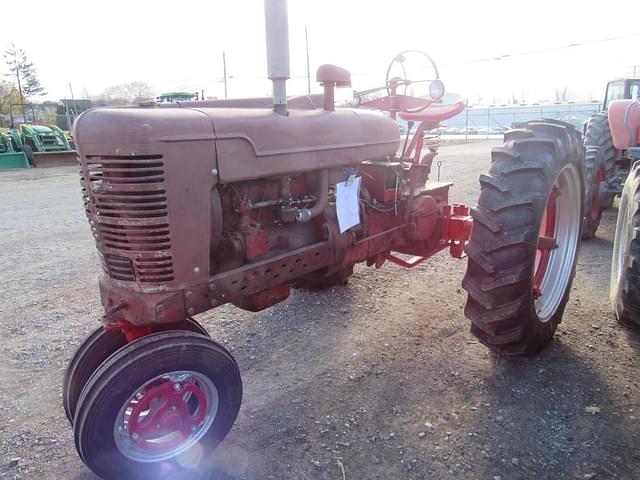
column 135, row 437
column 176, row 387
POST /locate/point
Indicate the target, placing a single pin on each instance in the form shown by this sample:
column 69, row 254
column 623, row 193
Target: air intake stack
column 277, row 29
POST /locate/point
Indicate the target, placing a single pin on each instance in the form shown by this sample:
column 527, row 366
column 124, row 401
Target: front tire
column 95, row 349
column 159, row 404
column 524, row 242
column 625, row 263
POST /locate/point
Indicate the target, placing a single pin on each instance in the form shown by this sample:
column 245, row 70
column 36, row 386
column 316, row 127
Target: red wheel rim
column 595, row 195
column 166, row 416
column 546, row 241
column 162, row 419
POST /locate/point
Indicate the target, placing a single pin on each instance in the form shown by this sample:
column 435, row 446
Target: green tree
column 24, row 71
column 8, row 94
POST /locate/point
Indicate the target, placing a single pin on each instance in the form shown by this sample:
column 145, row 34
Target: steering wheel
column 436, row 87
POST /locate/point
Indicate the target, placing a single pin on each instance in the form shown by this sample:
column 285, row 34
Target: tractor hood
column 41, row 129
column 250, row 143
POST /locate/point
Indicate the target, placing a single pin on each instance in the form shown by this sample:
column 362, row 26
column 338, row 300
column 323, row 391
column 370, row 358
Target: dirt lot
column 379, row 379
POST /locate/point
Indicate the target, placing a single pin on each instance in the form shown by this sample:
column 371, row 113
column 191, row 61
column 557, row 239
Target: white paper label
column 347, row 203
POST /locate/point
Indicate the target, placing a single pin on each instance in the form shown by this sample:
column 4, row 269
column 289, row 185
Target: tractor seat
column 434, row 114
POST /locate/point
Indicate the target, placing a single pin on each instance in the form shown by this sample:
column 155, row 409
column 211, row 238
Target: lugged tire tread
column 627, row 297
column 500, row 267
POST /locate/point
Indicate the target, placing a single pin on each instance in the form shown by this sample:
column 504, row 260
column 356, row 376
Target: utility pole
column 306, row 42
column 73, row 99
column 202, row 94
column 224, row 71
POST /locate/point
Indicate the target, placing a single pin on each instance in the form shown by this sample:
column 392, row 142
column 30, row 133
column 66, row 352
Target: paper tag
column 347, row 203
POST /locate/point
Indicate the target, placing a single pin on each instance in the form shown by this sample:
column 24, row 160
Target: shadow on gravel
column 552, row 418
column 632, row 336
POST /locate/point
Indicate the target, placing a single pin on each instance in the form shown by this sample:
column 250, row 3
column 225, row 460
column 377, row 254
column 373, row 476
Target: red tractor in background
column 611, row 143
column 198, row 204
column 606, row 167
column 624, row 121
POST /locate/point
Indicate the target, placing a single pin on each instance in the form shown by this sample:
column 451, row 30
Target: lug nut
column 176, row 387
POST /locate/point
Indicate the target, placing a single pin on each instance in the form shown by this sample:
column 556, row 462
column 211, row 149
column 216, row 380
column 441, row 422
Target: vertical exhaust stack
column 277, row 28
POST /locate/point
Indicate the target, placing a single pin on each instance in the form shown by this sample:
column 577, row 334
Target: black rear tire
column 625, row 263
column 108, row 446
column 28, row 151
column 322, row 280
column 502, row 301
column 598, row 134
column 595, row 168
column 95, row 349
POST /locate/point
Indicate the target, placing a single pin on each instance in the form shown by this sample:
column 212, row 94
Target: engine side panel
column 254, row 143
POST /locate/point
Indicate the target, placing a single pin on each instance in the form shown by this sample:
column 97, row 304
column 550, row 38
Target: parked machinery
column 9, row 157
column 199, row 204
column 606, row 167
column 624, row 121
column 43, row 145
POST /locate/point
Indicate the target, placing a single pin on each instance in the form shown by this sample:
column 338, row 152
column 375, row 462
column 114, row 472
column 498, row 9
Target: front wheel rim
column 557, row 243
column 166, row 416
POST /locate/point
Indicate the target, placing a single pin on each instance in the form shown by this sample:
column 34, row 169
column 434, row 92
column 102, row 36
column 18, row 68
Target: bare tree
column 24, row 71
column 563, row 94
column 126, row 93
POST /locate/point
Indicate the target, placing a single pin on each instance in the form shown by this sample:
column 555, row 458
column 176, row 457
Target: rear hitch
column 456, row 228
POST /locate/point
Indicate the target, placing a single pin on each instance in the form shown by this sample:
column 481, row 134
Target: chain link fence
column 63, row 121
column 493, row 121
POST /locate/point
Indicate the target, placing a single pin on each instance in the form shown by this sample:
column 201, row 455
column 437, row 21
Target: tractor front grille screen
column 126, row 202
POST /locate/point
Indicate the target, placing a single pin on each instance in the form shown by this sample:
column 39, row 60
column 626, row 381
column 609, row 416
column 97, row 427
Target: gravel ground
column 378, row 379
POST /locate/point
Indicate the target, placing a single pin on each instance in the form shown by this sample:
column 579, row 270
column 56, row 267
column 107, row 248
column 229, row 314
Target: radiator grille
column 127, row 206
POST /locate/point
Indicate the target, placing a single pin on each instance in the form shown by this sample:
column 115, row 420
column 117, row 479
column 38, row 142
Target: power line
column 552, row 49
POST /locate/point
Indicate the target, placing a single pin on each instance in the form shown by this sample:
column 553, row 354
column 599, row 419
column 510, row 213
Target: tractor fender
column 624, row 120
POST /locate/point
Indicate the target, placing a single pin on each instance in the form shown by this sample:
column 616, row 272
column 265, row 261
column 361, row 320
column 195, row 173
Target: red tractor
column 606, row 167
column 198, row 204
column 624, row 120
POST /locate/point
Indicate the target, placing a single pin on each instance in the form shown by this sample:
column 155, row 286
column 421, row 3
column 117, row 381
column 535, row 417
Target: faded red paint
column 201, row 204
column 624, row 120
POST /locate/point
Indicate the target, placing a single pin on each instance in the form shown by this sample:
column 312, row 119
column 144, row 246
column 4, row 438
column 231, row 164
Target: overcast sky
column 178, row 45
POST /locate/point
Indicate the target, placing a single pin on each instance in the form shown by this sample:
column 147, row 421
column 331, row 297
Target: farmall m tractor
column 199, row 204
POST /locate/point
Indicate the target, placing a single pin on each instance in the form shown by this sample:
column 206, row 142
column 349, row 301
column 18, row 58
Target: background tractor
column 606, row 167
column 9, row 156
column 624, row 122
column 43, row 145
column 198, row 204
